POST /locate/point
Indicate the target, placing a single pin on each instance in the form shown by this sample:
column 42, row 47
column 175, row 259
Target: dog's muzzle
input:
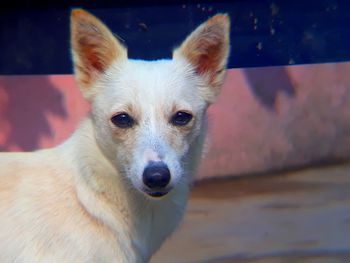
column 156, row 178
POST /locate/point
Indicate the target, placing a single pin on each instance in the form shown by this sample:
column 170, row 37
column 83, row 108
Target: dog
column 118, row 187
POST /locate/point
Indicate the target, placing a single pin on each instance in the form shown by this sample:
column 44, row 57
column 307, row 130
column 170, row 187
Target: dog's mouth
column 156, row 193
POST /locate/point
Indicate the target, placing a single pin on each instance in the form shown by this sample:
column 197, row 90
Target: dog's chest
column 155, row 223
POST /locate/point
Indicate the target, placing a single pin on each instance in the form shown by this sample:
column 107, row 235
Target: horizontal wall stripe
column 265, row 119
column 34, row 38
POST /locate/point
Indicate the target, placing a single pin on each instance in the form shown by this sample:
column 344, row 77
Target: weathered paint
column 38, row 111
column 265, row 119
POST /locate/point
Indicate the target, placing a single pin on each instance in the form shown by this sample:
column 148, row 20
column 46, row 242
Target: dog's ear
column 207, row 50
column 94, row 48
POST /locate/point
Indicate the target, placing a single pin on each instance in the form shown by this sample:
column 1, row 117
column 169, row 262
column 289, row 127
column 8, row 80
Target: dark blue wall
column 34, row 37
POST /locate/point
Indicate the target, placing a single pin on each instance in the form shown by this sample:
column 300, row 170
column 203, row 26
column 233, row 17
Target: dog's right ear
column 94, row 48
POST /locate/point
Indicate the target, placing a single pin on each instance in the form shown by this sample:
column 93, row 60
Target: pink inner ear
column 207, row 47
column 209, row 61
column 92, row 58
column 94, row 46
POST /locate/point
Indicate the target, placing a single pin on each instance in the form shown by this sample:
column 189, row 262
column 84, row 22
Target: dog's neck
column 110, row 198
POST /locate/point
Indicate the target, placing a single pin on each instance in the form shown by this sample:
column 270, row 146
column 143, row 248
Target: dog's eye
column 181, row 118
column 122, row 120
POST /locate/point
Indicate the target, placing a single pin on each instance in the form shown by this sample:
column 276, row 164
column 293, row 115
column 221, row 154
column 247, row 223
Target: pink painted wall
column 38, row 111
column 280, row 117
column 265, row 119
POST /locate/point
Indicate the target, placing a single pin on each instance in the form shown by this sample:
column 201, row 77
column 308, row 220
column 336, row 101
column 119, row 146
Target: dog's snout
column 156, row 175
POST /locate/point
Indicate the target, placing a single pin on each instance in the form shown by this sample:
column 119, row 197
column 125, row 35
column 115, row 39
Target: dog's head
column 148, row 115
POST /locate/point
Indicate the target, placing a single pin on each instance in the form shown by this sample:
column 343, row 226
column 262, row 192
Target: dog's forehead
column 152, row 83
column 161, row 76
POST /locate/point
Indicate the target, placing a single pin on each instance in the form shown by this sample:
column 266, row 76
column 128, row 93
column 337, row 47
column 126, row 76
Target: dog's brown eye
column 123, row 120
column 181, row 118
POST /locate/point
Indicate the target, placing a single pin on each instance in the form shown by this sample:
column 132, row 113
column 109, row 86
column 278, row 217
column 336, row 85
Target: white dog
column 119, row 185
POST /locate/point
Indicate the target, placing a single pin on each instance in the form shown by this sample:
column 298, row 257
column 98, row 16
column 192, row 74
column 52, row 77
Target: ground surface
column 301, row 216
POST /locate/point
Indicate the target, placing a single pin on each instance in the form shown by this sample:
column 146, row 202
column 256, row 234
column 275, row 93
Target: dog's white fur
column 84, row 200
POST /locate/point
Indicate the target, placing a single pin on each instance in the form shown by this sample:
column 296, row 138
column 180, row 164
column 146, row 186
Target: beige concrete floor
column 301, row 216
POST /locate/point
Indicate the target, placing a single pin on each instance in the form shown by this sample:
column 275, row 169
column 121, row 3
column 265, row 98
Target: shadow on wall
column 28, row 103
column 266, row 83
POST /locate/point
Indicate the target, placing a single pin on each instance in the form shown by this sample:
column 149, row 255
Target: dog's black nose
column 156, row 175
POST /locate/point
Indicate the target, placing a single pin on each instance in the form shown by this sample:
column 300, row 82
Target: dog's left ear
column 207, row 50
